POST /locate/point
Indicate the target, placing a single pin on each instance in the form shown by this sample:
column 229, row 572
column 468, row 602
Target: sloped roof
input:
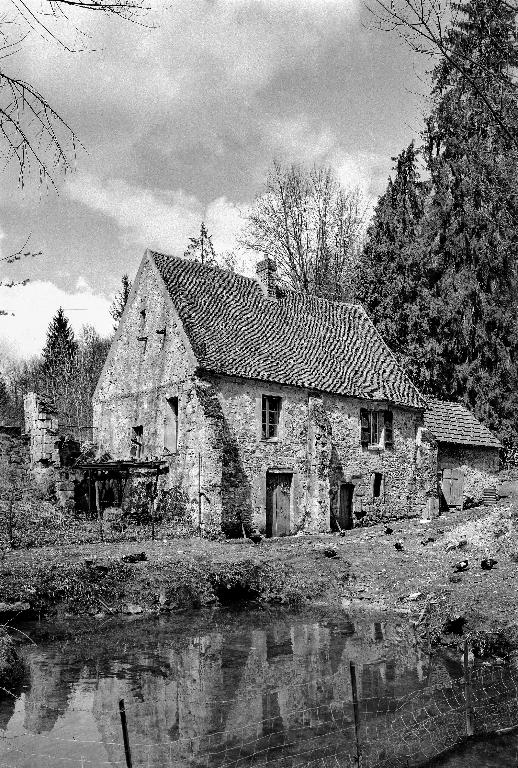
column 453, row 423
column 297, row 340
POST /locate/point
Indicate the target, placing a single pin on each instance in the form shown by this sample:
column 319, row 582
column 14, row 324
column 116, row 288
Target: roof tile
column 296, row 339
column 453, row 423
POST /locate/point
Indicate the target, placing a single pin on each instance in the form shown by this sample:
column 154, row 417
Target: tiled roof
column 296, row 339
column 452, row 423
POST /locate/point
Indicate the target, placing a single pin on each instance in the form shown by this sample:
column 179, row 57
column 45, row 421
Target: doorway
column 452, row 487
column 345, row 506
column 278, row 499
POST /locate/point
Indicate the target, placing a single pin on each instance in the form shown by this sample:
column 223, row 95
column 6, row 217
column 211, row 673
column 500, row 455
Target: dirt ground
column 410, row 570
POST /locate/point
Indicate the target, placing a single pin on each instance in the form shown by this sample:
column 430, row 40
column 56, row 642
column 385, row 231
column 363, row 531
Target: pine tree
column 59, row 364
column 60, row 344
column 440, row 273
column 470, row 232
column 201, row 248
column 120, row 300
column 390, row 283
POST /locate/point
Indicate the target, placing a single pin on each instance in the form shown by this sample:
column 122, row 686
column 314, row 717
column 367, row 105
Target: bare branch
column 421, row 24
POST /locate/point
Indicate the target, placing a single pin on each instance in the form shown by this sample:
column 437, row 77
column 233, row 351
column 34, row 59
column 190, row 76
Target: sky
column 179, row 118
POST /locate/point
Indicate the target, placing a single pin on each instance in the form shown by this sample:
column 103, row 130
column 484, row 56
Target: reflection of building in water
column 51, row 681
column 253, row 695
column 260, row 693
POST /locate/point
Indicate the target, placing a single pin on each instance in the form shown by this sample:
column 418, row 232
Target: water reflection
column 249, row 691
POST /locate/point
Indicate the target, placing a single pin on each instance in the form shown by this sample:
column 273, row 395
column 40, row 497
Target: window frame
column 137, row 447
column 265, row 422
column 377, row 422
column 172, row 416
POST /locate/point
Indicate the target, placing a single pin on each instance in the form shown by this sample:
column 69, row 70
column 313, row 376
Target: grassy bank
column 368, row 572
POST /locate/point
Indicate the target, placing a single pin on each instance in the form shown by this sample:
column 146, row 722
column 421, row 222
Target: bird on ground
column 399, row 545
column 488, row 563
column 256, row 537
column 388, row 530
column 462, row 565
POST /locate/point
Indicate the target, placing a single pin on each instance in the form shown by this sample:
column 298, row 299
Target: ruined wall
column 479, row 465
column 41, row 423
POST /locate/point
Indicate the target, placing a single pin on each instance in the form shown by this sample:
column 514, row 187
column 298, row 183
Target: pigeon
column 399, row 545
column 462, row 565
column 488, row 563
column 136, row 557
column 330, row 552
column 388, row 530
column 256, row 537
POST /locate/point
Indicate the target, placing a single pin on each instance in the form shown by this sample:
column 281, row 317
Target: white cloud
column 155, row 218
column 33, row 306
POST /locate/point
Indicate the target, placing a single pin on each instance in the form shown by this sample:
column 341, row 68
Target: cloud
column 32, row 306
column 161, row 219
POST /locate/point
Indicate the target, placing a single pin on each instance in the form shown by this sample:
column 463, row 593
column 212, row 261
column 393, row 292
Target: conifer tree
column 459, row 327
column 60, row 362
column 120, row 300
column 470, row 233
column 60, row 344
column 201, row 248
column 391, row 276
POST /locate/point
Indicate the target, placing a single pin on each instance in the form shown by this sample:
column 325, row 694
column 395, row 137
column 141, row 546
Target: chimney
column 267, row 276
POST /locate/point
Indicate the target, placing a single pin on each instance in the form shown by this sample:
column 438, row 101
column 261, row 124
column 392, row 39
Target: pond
column 226, row 689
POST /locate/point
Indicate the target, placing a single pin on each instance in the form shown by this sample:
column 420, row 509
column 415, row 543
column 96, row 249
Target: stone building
column 274, row 410
column 466, row 454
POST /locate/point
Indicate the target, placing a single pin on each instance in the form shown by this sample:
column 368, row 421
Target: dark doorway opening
column 278, row 497
column 345, row 506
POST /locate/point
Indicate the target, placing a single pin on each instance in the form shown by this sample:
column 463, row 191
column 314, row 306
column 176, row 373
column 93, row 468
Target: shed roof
column 453, row 423
column 295, row 339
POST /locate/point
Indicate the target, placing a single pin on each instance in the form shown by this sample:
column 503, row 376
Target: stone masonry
column 221, row 462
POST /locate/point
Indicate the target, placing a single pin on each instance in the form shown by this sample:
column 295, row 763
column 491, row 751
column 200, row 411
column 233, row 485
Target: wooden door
column 453, row 487
column 345, row 506
column 278, row 495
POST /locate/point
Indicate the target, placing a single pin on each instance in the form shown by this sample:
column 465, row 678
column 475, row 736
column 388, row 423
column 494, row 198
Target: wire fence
column 344, row 728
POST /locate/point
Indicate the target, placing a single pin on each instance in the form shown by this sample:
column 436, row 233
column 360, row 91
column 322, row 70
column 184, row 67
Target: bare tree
column 312, row 227
column 423, row 25
column 32, row 133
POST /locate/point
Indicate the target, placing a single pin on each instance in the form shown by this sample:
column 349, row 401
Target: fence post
column 470, row 722
column 125, row 737
column 356, row 713
column 99, row 510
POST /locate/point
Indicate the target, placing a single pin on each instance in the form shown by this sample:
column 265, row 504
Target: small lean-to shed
column 468, row 455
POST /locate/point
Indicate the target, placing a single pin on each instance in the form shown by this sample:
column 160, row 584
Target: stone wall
column 144, row 369
column 221, row 461
column 479, row 465
column 41, row 423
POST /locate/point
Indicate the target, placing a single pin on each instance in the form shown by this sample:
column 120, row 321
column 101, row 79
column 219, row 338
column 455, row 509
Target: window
column 137, row 442
column 171, row 426
column 270, row 417
column 376, row 428
column 377, row 480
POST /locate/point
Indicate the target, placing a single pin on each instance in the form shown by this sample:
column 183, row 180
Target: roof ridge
column 255, row 281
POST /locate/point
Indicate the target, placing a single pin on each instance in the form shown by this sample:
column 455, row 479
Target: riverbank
column 366, row 571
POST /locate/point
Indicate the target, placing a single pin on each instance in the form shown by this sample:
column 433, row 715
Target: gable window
column 376, row 428
column 271, row 412
column 171, row 426
column 137, row 442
